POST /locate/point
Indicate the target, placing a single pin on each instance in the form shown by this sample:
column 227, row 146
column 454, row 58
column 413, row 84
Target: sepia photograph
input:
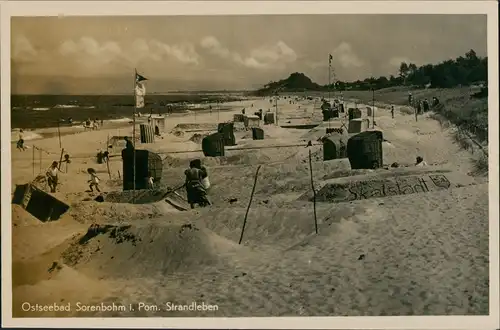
column 277, row 164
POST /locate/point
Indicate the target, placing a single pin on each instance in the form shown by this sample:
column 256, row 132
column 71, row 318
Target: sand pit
column 189, row 127
column 197, row 138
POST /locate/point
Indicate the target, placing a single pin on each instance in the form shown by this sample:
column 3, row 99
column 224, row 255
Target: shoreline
column 41, row 133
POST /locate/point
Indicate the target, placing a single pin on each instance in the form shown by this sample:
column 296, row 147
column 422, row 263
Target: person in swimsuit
column 52, row 177
column 20, row 142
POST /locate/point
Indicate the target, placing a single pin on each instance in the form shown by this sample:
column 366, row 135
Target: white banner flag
column 140, row 92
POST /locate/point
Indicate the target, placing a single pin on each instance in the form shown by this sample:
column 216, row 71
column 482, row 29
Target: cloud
column 345, row 56
column 269, row 56
column 23, row 50
column 317, row 64
column 91, row 53
column 184, row 52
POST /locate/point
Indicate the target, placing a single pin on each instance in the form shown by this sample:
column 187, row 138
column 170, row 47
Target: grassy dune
column 471, row 114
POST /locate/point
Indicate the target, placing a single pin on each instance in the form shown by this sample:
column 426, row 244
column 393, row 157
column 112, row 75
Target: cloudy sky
column 98, row 54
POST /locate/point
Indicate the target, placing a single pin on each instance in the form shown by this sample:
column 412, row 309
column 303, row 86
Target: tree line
column 465, row 70
column 462, row 71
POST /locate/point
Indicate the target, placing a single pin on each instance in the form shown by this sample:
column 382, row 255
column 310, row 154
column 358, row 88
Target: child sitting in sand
column 420, row 162
column 94, row 180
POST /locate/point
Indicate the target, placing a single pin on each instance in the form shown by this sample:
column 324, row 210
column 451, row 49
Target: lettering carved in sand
column 384, row 188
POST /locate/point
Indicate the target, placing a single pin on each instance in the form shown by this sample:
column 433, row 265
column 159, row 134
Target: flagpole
column 133, row 131
column 329, row 77
column 329, row 87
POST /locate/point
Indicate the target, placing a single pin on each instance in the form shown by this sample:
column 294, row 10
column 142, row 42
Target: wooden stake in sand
column 107, row 165
column 59, row 132
column 249, row 203
column 133, row 138
column 40, row 157
column 33, row 162
column 60, row 159
column 107, row 158
column 314, row 192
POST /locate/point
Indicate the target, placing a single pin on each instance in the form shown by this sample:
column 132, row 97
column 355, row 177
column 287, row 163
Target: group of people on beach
column 422, row 106
column 52, row 176
column 93, row 124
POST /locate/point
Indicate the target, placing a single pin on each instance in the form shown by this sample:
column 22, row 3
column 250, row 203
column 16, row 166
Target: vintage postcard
column 197, row 164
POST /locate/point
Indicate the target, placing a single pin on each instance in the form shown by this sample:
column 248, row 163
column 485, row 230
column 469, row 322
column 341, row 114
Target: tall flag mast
column 139, row 93
column 330, row 58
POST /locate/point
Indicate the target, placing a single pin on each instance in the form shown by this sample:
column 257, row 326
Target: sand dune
column 156, row 248
column 419, row 253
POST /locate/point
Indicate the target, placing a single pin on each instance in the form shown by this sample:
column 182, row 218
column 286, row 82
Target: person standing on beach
column 425, row 105
column 419, row 107
column 129, row 145
column 20, row 142
column 52, row 177
column 392, row 112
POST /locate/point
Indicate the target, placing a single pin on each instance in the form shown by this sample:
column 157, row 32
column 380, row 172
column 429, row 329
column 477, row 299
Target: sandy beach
column 423, row 253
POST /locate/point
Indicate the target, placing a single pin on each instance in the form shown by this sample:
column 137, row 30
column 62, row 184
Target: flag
column 330, row 58
column 140, row 90
column 139, row 78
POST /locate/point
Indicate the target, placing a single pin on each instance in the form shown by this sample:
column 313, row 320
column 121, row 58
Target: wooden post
column 249, row 203
column 60, row 159
column 133, row 133
column 107, row 160
column 33, row 162
column 107, row 165
column 59, row 132
column 314, row 193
